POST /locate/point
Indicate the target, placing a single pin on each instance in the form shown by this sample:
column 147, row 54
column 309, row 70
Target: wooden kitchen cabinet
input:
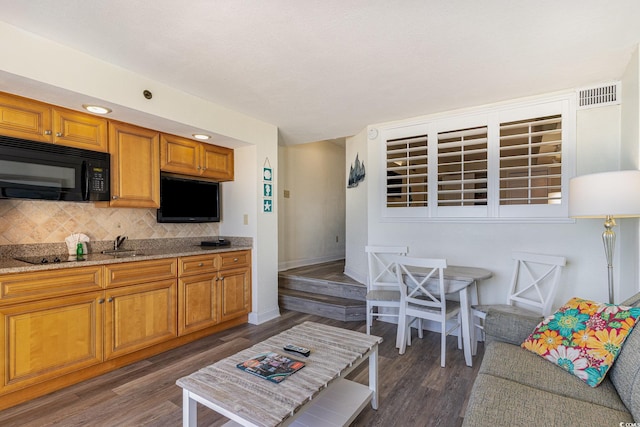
column 136, row 272
column 37, row 285
column 212, row 289
column 25, row 118
column 64, row 325
column 139, row 316
column 187, row 157
column 135, row 166
column 38, row 121
column 217, row 162
column 140, row 305
column 198, row 306
column 80, row 130
column 46, row 339
column 235, row 293
column 235, row 284
column 198, row 299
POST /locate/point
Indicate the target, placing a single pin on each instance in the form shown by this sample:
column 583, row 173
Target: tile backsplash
column 31, row 221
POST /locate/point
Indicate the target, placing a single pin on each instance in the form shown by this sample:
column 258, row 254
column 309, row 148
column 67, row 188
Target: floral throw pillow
column 583, row 337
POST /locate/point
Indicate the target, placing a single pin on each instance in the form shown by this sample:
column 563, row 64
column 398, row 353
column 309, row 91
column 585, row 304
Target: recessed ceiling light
column 201, row 136
column 96, row 109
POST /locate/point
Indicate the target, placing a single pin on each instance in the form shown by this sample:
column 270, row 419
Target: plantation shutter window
column 462, row 167
column 531, row 161
column 506, row 163
column 407, row 172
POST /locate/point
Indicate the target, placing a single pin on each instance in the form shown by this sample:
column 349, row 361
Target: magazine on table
column 271, row 366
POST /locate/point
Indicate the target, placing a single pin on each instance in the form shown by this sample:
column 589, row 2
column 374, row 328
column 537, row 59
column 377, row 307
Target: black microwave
column 38, row 170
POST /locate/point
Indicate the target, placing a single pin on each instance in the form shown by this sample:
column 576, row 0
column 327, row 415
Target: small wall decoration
column 267, row 187
column 356, row 174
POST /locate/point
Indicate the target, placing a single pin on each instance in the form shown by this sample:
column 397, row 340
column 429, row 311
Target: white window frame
column 565, row 105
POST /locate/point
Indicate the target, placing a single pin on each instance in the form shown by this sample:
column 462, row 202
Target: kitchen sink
column 122, row 253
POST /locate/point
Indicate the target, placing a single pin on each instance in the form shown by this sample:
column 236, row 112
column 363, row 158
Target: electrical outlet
column 287, row 194
column 246, row 219
column 337, row 239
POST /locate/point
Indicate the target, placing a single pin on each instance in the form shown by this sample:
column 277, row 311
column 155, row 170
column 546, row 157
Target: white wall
column 490, row 245
column 41, row 69
column 243, row 216
column 357, row 217
column 312, row 218
column 630, row 122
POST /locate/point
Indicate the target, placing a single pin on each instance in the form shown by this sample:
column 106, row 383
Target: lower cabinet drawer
column 31, row 286
column 131, row 273
column 198, row 264
column 235, row 259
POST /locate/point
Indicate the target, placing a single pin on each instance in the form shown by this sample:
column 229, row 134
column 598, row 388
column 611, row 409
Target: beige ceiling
column 325, row 69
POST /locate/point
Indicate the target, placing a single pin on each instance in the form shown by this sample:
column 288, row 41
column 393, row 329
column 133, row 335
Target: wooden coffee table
column 316, row 395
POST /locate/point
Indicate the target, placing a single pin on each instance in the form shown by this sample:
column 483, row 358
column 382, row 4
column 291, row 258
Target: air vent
column 599, row 96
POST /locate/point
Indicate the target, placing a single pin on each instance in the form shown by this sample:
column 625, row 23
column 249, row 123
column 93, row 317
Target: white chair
column 422, row 296
column 382, row 286
column 534, row 283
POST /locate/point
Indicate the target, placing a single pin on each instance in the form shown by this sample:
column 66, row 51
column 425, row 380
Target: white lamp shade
column 602, row 194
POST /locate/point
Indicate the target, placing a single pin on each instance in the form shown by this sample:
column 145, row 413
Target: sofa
column 517, row 387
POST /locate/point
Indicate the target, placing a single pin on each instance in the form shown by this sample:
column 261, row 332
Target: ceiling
column 326, row 69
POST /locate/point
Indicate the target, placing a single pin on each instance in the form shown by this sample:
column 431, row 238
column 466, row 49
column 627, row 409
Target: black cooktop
column 50, row 259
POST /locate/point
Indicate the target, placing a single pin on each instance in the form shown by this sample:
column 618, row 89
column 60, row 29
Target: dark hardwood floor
column 414, row 389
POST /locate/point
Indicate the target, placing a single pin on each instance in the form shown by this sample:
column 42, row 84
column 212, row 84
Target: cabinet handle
column 222, row 278
column 199, row 168
column 58, row 134
column 47, row 132
column 101, row 301
column 110, row 299
column 201, row 264
column 114, row 197
column 235, row 260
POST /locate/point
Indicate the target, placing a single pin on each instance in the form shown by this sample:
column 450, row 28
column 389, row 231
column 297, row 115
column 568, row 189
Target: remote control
column 295, row 349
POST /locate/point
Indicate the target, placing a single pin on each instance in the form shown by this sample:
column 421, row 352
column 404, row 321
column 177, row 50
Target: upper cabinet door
column 24, row 118
column 217, row 162
column 135, row 166
column 194, row 158
column 79, row 130
column 179, row 155
column 37, row 121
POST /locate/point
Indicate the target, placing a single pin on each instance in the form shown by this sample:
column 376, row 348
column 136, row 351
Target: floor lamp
column 606, row 195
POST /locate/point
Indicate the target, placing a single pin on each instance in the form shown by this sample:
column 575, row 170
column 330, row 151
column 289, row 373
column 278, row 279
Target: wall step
column 332, row 307
column 324, row 290
column 355, row 291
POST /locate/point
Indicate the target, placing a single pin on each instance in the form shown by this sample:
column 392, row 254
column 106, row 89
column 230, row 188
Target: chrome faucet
column 118, row 242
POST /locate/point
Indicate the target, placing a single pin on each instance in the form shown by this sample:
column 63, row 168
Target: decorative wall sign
column 267, row 187
column 267, row 174
column 356, row 174
column 267, row 190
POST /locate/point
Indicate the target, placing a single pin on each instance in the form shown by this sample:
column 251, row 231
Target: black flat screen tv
column 188, row 200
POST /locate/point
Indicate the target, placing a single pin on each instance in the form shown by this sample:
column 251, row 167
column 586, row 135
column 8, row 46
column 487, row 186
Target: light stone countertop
column 145, row 250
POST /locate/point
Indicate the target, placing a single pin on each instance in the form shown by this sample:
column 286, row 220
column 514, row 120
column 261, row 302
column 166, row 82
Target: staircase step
column 332, row 307
column 354, row 291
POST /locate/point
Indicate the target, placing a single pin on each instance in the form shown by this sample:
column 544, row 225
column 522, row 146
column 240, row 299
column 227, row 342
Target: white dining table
column 463, row 281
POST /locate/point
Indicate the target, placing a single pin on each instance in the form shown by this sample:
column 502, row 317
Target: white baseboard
column 259, row 318
column 355, row 276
